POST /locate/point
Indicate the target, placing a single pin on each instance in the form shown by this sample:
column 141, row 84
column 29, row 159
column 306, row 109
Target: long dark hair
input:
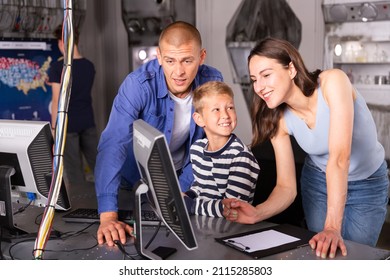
column 265, row 121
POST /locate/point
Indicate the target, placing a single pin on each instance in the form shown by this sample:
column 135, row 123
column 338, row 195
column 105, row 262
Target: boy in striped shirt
column 223, row 166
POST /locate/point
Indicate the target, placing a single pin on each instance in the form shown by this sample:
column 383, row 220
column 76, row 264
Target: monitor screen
column 26, row 156
column 159, row 175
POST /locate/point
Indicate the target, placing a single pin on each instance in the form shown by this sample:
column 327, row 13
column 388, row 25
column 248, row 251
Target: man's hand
column 111, row 229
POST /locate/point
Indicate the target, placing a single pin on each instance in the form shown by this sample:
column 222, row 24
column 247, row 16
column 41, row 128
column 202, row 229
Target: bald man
column 160, row 93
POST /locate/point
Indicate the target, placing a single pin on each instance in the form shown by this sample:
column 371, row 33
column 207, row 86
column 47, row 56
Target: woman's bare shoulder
column 332, row 73
column 334, row 82
column 332, row 77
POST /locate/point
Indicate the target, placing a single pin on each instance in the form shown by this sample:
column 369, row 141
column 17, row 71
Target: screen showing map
column 24, row 66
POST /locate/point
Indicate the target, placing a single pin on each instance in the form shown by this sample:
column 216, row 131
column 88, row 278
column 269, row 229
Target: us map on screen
column 24, row 66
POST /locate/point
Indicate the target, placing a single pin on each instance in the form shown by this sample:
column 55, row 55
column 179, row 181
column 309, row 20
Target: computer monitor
column 26, row 156
column 159, row 181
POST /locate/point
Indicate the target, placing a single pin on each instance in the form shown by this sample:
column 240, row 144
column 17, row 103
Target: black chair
column 264, row 154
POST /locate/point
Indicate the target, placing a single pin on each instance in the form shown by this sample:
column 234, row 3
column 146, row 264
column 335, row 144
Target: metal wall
column 144, row 21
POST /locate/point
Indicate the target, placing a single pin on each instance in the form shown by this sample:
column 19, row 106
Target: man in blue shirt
column 160, row 93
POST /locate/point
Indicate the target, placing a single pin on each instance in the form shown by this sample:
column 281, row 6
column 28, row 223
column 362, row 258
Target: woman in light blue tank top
column 344, row 181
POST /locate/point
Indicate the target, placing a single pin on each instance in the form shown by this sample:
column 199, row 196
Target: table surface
column 78, row 240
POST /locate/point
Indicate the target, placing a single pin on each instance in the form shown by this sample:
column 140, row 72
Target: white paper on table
column 261, row 240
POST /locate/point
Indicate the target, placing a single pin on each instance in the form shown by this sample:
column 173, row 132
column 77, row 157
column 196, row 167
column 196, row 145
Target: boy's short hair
column 209, row 89
column 58, row 34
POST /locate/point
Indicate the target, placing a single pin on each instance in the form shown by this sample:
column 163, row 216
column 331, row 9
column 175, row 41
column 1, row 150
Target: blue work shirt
column 142, row 95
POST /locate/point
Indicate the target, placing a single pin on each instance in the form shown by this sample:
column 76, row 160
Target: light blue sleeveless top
column 367, row 154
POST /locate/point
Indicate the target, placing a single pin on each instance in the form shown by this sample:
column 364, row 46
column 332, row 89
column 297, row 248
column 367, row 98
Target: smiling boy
column 223, row 166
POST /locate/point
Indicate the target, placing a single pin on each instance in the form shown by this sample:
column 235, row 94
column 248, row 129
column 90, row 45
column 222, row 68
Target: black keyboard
column 90, row 215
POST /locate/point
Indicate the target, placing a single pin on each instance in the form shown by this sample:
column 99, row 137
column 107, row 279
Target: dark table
column 77, row 241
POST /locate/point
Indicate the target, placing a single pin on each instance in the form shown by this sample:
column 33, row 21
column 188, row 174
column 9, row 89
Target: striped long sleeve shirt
column 230, row 172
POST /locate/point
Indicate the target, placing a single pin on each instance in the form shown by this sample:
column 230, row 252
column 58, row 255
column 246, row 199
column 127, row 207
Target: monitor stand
column 140, row 189
column 10, row 230
column 160, row 252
